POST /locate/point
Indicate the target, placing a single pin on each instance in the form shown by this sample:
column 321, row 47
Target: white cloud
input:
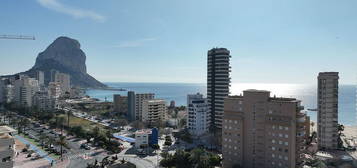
column 74, row 12
column 134, row 43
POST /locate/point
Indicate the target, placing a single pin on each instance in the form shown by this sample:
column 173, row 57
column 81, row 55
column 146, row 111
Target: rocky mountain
column 65, row 55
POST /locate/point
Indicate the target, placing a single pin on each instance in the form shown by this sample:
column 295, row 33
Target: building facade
column 40, row 77
column 263, row 131
column 65, row 82
column 7, row 147
column 24, row 89
column 218, row 82
column 154, row 111
column 42, row 101
column 139, row 100
column 120, row 104
column 2, row 91
column 327, row 116
column 146, row 137
column 131, row 106
column 198, row 117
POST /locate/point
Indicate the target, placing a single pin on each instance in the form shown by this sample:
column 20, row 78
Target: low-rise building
column 7, row 147
column 146, row 137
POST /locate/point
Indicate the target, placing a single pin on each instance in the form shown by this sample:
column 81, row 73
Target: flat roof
column 6, row 129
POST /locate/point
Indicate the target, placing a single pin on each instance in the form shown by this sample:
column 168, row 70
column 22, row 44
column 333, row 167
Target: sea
column 178, row 93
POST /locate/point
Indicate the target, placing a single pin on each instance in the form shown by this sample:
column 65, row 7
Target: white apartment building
column 327, row 116
column 24, row 89
column 54, row 90
column 198, row 117
column 43, row 101
column 139, row 100
column 65, row 82
column 7, row 147
column 10, row 95
column 40, row 77
column 154, row 111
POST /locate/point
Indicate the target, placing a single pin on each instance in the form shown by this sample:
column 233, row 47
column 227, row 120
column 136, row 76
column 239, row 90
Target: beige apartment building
column 154, row 111
column 7, row 147
column 260, row 131
column 139, row 100
column 327, row 116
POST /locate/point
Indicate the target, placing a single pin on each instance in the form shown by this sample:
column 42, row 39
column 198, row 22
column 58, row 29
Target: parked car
column 85, row 146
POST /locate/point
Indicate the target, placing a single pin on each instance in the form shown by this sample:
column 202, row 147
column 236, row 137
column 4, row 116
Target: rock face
column 66, row 56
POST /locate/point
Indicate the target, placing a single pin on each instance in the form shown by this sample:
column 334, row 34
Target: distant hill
column 66, row 56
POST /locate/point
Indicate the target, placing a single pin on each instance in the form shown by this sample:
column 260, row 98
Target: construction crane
column 18, row 37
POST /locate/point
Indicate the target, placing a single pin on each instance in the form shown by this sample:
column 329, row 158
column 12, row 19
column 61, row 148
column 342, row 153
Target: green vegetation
column 198, row 158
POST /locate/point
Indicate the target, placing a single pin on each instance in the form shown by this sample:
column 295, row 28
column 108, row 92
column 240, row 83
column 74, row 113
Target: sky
column 271, row 41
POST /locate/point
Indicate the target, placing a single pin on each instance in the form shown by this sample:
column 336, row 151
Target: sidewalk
column 35, row 149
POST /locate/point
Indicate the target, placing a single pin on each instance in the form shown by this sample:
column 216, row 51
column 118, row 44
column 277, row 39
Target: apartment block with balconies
column 327, row 117
column 263, row 131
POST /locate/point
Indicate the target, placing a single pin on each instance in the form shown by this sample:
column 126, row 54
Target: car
column 85, row 146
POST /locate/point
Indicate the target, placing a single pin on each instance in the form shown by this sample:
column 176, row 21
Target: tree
column 109, row 134
column 69, row 114
column 96, row 133
column 62, row 142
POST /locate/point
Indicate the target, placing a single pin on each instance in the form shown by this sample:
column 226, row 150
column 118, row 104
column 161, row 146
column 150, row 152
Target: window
column 285, row 158
column 273, row 155
column 280, row 135
column 273, row 148
column 286, row 143
column 286, row 136
column 273, row 141
column 286, row 128
column 280, row 142
column 280, row 127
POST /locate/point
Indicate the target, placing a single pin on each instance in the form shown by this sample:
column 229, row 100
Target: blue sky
column 278, row 41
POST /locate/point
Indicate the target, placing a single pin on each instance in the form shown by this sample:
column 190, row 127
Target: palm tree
column 42, row 139
column 96, row 133
column 69, row 113
column 109, row 135
column 62, row 142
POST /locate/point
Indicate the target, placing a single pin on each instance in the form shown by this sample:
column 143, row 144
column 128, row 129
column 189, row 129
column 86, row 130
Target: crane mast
column 18, row 37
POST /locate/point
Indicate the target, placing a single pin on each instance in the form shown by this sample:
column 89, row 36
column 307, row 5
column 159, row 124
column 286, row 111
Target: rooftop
column 6, row 129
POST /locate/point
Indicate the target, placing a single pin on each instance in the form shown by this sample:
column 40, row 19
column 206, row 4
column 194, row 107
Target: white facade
column 40, row 77
column 139, row 100
column 7, row 147
column 54, row 90
column 24, row 89
column 327, row 117
column 64, row 81
column 154, row 111
column 10, row 95
column 198, row 117
column 141, row 138
column 42, row 101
